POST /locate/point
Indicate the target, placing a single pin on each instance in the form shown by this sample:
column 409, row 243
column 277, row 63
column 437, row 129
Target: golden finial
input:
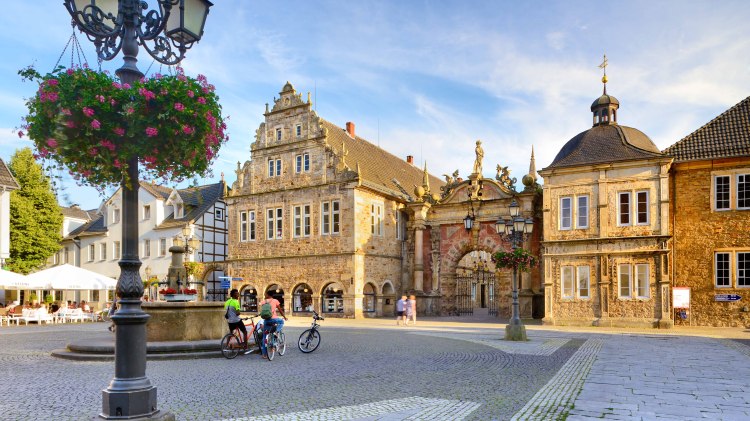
column 603, row 66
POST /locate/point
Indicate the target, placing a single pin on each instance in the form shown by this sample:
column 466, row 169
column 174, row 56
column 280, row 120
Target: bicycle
column 275, row 340
column 232, row 343
column 310, row 339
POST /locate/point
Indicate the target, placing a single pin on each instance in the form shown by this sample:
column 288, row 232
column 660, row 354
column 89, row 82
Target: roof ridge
column 712, row 121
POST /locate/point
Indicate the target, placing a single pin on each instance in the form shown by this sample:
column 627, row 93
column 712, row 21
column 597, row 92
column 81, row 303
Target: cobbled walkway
column 372, row 370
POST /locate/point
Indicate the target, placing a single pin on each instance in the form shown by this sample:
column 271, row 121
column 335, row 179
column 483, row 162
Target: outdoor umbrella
column 15, row 281
column 68, row 277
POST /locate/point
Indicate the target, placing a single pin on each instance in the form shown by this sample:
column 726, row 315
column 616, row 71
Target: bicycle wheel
column 309, row 341
column 230, row 346
column 270, row 346
column 281, row 343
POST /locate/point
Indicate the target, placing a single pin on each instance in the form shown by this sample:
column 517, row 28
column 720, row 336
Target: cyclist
column 232, row 309
column 279, row 322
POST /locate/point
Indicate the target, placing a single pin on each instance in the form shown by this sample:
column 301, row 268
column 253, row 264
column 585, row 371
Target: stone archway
column 476, row 286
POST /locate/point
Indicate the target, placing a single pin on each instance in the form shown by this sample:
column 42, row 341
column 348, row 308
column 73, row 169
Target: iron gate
column 478, row 289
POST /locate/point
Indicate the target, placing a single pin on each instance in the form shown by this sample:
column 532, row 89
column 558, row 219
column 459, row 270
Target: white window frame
column 219, row 214
column 728, row 269
column 629, row 276
column 742, row 270
column 116, row 250
column 746, row 183
column 271, row 167
column 566, row 222
column 298, row 130
column 146, row 248
column 251, row 225
column 330, row 217
column 103, row 251
column 301, row 221
column 275, row 223
column 335, row 217
column 302, row 163
column 728, row 192
column 376, row 220
column 629, row 212
column 582, row 211
column 115, row 216
column 92, row 252
column 243, row 226
column 146, row 212
column 163, row 247
column 583, row 273
column 567, row 282
column 637, row 212
column 642, row 281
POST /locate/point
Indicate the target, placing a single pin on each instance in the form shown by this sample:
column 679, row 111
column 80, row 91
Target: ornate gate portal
column 476, row 288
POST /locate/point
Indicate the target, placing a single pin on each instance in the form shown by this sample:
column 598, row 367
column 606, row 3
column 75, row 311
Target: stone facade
column 310, row 219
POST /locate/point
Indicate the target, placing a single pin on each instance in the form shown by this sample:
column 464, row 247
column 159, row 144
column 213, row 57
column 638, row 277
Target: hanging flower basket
column 520, row 259
column 89, row 123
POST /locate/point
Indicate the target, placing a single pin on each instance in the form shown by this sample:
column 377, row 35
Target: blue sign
column 226, row 282
column 727, row 297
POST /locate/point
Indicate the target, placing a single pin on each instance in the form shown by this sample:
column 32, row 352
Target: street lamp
column 123, row 25
column 516, row 229
column 187, row 241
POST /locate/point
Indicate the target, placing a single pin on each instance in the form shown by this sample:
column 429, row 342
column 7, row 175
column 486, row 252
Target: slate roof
column 605, row 143
column 197, row 201
column 76, row 212
column 726, row 136
column 377, row 167
column 6, row 177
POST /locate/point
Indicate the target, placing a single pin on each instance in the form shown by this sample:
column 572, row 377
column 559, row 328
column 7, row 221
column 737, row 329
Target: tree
column 35, row 217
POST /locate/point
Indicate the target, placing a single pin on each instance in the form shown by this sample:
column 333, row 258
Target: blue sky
column 429, row 78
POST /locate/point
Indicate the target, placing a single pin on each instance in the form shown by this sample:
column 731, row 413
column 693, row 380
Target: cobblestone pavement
column 440, row 377
column 372, row 370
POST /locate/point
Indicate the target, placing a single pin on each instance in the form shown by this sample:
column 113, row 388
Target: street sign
column 727, row 297
column 681, row 297
column 226, row 282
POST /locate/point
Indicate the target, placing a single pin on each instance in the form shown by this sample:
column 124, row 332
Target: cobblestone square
column 373, row 370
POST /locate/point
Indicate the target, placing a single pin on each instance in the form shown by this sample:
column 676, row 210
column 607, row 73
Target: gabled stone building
column 606, row 227
column 710, row 201
column 318, row 215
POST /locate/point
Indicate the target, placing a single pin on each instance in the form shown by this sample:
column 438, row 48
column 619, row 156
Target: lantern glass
column 186, row 20
column 194, row 243
column 529, row 226
column 518, row 224
column 508, row 227
column 468, row 222
column 514, row 209
column 186, row 231
column 500, row 226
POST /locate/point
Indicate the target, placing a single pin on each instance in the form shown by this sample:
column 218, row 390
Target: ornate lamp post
column 187, row 241
column 516, row 229
column 166, row 33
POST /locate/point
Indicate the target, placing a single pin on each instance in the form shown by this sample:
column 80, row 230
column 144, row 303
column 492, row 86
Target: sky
column 428, row 78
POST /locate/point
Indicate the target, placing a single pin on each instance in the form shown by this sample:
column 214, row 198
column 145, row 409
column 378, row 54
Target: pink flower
column 20, row 133
column 116, row 85
column 70, row 71
column 95, row 124
column 117, row 163
column 151, row 132
column 187, row 129
column 119, row 131
column 201, row 100
column 191, row 94
column 70, row 124
column 65, row 111
column 88, row 112
column 107, row 144
column 125, row 86
column 178, row 106
column 93, row 152
column 112, row 102
column 52, row 143
column 129, row 110
column 101, row 98
column 52, row 96
column 52, row 82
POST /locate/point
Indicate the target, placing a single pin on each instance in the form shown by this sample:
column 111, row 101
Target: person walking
column 407, row 311
column 400, row 306
column 412, row 310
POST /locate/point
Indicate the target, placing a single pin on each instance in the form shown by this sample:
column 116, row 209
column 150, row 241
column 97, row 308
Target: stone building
column 327, row 221
column 710, row 201
column 318, row 216
column 606, row 227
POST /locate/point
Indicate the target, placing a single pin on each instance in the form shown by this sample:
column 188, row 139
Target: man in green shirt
column 232, row 309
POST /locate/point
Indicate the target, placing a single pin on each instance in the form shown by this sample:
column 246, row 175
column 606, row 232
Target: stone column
column 418, row 258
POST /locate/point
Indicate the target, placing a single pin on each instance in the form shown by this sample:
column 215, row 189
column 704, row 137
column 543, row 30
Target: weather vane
column 603, row 66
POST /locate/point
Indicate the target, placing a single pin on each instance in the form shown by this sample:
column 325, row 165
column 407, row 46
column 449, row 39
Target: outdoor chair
column 4, row 318
column 25, row 316
column 75, row 314
column 42, row 316
column 59, row 315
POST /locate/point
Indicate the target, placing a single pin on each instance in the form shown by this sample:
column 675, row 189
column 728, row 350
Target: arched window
column 333, row 298
column 278, row 293
column 605, row 115
column 249, row 299
column 302, row 299
column 368, row 302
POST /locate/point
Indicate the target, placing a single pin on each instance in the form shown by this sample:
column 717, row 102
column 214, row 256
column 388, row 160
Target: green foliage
column 93, row 125
column 520, row 259
column 48, row 299
column 194, row 268
column 35, row 217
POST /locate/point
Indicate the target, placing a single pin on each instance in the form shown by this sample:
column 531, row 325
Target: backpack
column 265, row 311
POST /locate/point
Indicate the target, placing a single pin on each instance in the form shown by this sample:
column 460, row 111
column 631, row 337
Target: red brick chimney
column 410, row 159
column 350, row 129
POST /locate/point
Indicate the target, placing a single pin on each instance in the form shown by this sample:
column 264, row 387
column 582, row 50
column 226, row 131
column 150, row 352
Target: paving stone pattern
column 352, row 367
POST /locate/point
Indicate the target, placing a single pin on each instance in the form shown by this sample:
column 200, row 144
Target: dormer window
column 178, row 210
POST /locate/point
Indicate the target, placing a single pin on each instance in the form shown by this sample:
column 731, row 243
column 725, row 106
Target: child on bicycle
column 232, row 314
column 274, row 319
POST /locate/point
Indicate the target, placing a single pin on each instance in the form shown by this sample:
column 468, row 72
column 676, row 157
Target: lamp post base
column 515, row 333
